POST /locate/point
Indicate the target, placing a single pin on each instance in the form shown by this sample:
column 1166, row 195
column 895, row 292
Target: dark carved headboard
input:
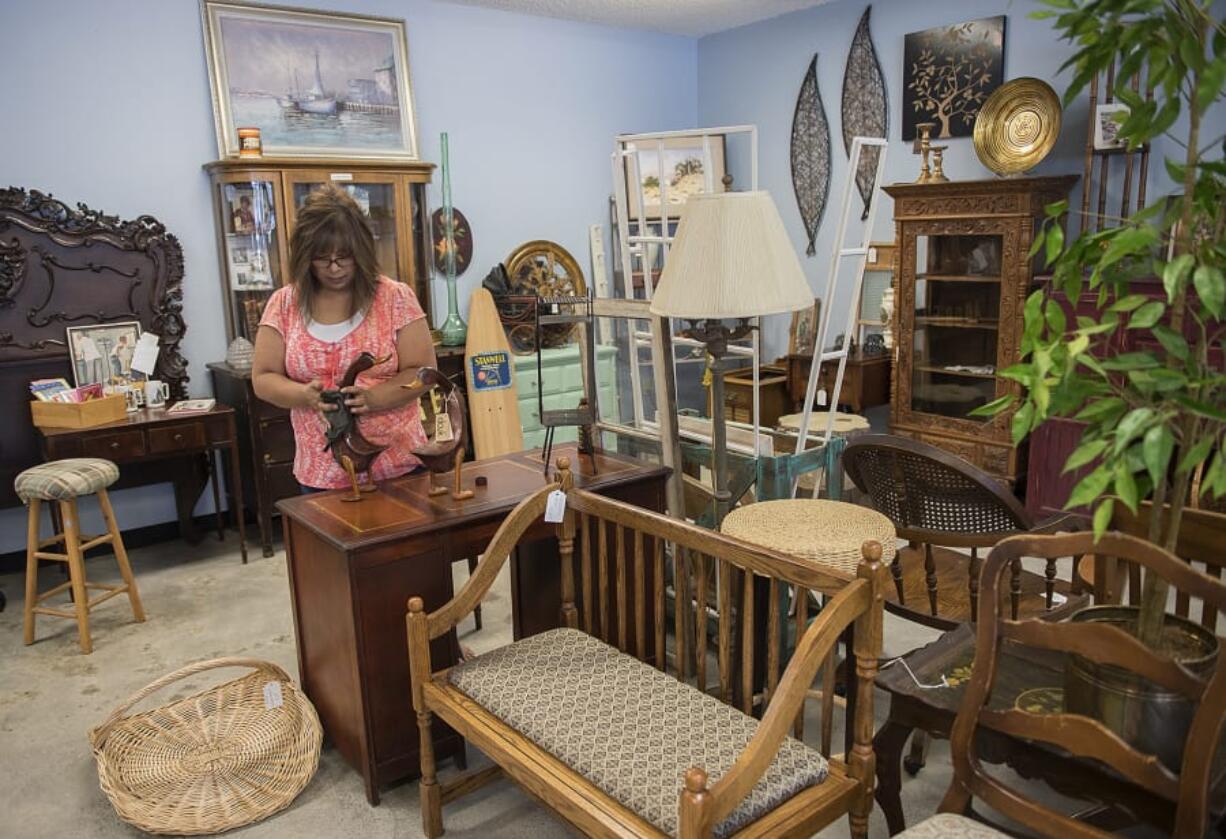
column 62, row 267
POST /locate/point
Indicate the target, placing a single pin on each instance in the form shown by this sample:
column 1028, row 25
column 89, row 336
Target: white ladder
column 838, row 254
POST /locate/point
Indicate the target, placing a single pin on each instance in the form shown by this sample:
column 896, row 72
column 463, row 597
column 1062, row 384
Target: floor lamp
column 731, row 260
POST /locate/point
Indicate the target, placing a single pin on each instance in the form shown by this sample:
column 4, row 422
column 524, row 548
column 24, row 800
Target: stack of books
column 58, row 390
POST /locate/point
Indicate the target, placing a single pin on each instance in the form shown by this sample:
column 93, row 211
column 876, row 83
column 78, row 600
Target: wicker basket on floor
column 225, row 757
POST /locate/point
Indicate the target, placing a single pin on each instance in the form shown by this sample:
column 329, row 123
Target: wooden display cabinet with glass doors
column 963, row 278
column 256, row 202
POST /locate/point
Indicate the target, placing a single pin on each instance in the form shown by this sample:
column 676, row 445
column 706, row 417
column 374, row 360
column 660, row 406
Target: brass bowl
column 1017, row 126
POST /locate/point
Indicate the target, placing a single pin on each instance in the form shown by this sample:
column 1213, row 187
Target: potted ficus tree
column 1153, row 418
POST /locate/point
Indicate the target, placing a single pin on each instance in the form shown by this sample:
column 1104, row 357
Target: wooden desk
column 866, row 380
column 153, row 437
column 353, row 566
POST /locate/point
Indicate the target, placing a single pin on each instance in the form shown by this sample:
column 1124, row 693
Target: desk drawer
column 277, row 442
column 176, row 438
column 123, row 445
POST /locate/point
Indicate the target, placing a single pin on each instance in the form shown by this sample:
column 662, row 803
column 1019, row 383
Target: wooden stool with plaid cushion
column 62, row 482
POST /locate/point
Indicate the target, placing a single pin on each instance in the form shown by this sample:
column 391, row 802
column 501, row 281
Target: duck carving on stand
column 445, row 451
column 351, row 450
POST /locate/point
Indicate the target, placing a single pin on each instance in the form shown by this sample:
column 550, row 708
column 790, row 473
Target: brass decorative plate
column 548, row 270
column 1017, row 126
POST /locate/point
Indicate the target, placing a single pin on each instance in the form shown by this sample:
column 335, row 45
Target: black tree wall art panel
column 948, row 72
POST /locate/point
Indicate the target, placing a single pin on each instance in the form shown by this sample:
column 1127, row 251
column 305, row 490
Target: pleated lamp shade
column 731, row 258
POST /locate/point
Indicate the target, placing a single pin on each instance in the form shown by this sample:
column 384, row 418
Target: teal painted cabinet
column 561, row 385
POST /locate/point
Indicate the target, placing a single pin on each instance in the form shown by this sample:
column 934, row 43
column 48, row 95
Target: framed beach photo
column 103, row 352
column 316, row 84
column 676, row 166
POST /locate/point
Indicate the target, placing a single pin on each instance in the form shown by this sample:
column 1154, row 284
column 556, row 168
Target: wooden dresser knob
column 268, row 458
column 178, row 438
column 115, row 446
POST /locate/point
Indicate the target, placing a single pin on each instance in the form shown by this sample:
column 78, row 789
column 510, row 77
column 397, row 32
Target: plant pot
column 1147, row 716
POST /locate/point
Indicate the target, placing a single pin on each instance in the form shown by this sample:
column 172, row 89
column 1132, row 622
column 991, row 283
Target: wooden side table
column 1025, row 677
column 152, row 434
column 866, row 380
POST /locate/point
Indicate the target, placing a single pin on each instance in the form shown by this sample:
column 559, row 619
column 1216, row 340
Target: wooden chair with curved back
column 1083, row 737
column 935, row 498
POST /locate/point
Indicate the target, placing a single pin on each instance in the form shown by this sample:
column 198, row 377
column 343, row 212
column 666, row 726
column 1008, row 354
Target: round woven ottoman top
column 843, row 423
column 63, row 480
column 827, row 533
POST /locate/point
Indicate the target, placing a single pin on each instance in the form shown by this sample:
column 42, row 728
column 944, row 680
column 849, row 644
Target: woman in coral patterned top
column 337, row 307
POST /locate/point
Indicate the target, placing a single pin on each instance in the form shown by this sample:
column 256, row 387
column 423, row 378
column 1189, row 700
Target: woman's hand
column 360, row 400
column 311, row 397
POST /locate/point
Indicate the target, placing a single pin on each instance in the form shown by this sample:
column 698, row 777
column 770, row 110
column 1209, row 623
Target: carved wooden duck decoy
column 345, row 439
column 440, row 456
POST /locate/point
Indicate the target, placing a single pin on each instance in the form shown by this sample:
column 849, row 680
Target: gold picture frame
column 316, row 84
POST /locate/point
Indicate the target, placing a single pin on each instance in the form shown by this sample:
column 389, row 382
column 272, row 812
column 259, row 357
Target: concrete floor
column 202, row 603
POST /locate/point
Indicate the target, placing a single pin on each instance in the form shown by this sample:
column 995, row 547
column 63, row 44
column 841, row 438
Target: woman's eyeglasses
column 326, row 262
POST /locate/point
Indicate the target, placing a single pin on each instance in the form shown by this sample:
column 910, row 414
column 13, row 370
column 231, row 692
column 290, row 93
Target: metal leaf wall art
column 811, row 155
column 865, row 107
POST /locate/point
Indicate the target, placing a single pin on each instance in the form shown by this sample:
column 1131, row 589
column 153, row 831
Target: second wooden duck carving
column 445, row 451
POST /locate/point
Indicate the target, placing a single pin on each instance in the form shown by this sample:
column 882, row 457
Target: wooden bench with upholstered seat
column 590, row 722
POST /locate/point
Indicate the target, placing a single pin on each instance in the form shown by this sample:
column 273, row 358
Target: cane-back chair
column 937, row 499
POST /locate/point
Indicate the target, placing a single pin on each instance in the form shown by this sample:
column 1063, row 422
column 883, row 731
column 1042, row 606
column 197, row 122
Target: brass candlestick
column 923, row 145
column 938, row 174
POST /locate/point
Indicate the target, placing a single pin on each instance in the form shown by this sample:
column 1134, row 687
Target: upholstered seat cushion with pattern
column 62, row 480
column 625, row 726
column 951, row 826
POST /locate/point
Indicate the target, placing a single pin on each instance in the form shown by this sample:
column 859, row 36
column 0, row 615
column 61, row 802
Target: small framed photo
column 102, row 353
column 1107, row 119
column 675, row 165
column 803, row 334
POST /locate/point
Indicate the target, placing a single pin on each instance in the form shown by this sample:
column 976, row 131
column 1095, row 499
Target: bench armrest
column 859, row 603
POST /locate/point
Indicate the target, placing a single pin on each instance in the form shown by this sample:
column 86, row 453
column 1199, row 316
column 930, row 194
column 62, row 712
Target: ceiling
column 677, row 17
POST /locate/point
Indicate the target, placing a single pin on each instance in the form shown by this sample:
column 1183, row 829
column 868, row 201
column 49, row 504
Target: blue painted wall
column 113, row 109
column 108, row 104
column 753, row 74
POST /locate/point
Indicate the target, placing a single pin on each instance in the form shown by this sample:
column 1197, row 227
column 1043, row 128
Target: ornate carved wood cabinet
column 256, row 202
column 963, row 277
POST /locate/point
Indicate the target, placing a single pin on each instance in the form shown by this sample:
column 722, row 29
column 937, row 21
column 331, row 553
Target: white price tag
column 555, row 506
column 145, row 354
column 821, row 397
column 442, row 429
column 272, row 695
column 1058, row 599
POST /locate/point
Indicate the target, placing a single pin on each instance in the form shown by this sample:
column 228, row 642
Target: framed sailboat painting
column 316, row 84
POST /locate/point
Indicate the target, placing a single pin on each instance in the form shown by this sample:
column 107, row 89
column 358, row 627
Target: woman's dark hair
column 331, row 222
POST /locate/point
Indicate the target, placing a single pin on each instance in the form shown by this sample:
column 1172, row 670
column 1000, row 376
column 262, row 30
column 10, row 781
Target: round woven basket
column 225, row 757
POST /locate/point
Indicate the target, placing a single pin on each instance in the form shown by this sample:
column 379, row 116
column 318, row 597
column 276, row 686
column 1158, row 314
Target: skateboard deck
column 493, row 401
